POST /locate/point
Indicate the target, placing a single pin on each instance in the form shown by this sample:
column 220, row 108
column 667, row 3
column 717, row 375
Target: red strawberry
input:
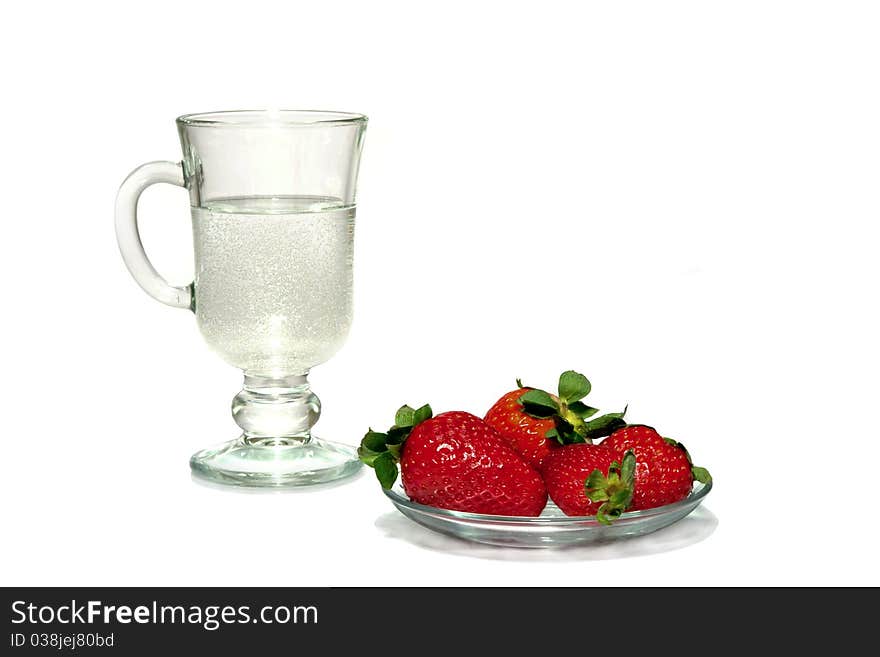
column 587, row 480
column 527, row 435
column 534, row 422
column 664, row 472
column 454, row 461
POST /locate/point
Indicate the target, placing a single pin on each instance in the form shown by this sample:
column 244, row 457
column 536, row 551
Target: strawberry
column 588, row 480
column 664, row 472
column 534, row 422
column 454, row 461
column 527, row 435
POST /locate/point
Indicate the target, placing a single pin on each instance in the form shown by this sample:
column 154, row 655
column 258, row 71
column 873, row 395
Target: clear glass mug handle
column 129, row 238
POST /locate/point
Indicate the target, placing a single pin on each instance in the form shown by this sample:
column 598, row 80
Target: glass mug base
column 275, row 463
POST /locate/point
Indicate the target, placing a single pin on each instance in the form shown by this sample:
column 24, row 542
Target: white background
column 679, row 199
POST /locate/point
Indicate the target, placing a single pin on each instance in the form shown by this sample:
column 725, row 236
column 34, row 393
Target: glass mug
column 272, row 195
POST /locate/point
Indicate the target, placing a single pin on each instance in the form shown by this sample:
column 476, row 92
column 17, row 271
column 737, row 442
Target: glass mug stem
column 276, row 410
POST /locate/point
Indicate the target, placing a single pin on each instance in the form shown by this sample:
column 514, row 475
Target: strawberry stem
column 382, row 451
column 615, row 490
column 569, row 413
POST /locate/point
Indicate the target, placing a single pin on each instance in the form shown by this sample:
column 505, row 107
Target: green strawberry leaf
column 397, row 435
column 608, row 513
column 604, row 425
column 382, row 451
column 628, row 469
column 538, row 398
column 553, row 434
column 615, row 490
column 564, row 427
column 421, row 414
column 569, row 413
column 701, row 474
column 582, row 410
column 598, row 495
column 537, row 412
column 573, row 386
column 386, row 469
column 538, row 403
column 596, row 486
column 405, row 416
column 366, row 456
column 371, row 446
column 567, row 432
column 374, row 441
column 621, row 498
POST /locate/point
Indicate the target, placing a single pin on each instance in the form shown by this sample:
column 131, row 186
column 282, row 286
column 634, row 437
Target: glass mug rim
column 270, row 117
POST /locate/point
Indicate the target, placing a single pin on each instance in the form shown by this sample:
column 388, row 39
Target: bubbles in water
column 273, row 281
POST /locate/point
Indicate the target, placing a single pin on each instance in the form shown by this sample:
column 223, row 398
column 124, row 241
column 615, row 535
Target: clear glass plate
column 551, row 529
